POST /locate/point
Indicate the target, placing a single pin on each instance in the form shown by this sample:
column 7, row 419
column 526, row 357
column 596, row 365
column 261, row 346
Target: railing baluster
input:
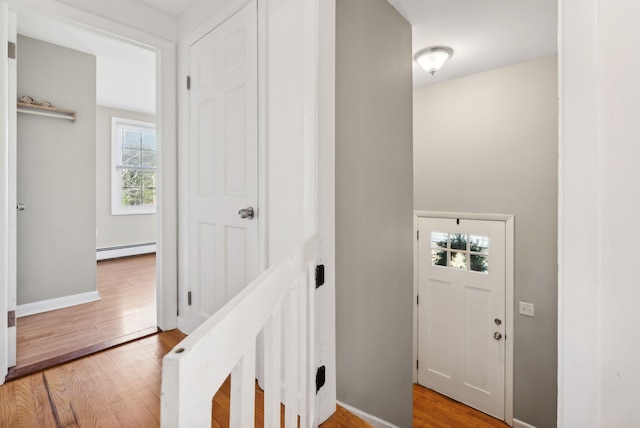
column 309, row 362
column 272, row 372
column 291, row 359
column 301, row 308
column 243, row 391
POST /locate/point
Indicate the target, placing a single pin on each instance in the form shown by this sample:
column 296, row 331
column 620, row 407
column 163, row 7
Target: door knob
column 497, row 336
column 20, row 207
column 246, row 213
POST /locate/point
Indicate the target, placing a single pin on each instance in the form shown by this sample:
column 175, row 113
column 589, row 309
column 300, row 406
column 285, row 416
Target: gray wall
column 56, row 174
column 374, row 269
column 489, row 143
column 116, row 230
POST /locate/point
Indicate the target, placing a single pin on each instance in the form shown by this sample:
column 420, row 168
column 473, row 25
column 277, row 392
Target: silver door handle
column 246, row 213
column 497, row 336
column 20, row 207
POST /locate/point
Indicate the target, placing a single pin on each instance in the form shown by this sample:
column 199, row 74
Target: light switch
column 526, row 309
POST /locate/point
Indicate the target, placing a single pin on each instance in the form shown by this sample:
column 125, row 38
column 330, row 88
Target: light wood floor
column 431, row 409
column 126, row 311
column 119, row 387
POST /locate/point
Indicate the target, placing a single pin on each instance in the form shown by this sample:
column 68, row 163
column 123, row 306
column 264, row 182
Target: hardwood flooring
column 126, row 311
column 220, row 412
column 431, row 409
column 119, row 387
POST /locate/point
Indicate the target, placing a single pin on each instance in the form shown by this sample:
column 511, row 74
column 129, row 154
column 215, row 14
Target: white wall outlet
column 526, row 309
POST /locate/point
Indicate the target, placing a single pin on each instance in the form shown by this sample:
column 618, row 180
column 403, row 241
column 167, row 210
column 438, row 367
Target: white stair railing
column 226, row 344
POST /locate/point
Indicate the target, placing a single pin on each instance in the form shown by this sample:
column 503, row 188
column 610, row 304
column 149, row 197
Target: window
column 134, row 155
column 458, row 251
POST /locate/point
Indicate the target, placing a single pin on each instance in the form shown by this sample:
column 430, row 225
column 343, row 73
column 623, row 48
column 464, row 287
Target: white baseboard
column 57, row 303
column 374, row 421
column 125, row 251
column 520, row 424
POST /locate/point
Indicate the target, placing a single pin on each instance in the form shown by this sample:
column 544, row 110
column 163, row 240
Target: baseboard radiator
column 280, row 303
column 125, row 251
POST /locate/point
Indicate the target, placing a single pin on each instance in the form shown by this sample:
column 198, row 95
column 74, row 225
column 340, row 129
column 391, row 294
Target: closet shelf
column 46, row 111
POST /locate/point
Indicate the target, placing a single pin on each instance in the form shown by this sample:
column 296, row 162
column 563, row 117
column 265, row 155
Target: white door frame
column 166, row 264
column 509, row 294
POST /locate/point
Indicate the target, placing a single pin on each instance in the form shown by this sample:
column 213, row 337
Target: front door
column 461, row 311
column 223, row 160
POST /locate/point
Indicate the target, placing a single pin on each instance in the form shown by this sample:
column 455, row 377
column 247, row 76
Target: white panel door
column 223, row 160
column 461, row 311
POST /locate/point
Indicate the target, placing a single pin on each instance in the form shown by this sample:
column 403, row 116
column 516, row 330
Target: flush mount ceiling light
column 431, row 59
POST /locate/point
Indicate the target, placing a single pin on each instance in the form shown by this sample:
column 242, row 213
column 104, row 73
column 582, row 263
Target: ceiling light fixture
column 431, row 59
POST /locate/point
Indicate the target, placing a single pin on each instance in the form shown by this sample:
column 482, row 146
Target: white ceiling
column 483, row 34
column 125, row 74
column 170, row 7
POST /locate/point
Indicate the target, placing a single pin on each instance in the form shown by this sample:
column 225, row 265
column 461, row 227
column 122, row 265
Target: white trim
column 374, row 421
column 326, row 186
column 263, row 139
column 520, row 424
column 508, row 219
column 12, row 152
column 130, row 250
column 467, row 216
column 509, row 335
column 5, row 194
column 57, row 303
column 414, row 360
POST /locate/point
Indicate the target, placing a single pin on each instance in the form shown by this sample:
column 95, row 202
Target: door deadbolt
column 498, row 321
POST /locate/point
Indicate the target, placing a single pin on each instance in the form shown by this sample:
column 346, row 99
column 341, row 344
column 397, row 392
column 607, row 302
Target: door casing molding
column 508, row 219
column 166, row 265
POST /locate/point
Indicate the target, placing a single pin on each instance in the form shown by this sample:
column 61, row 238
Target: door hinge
column 417, row 300
column 418, row 234
column 417, row 364
column 189, row 298
column 319, row 275
column 188, row 83
column 11, row 50
column 11, row 319
column 320, row 378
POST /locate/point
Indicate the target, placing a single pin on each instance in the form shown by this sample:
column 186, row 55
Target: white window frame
column 116, row 154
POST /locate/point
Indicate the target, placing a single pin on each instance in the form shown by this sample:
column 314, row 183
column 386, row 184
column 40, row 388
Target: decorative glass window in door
column 460, row 251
